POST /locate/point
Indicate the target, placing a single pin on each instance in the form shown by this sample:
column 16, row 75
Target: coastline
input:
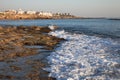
column 33, row 16
column 23, row 52
column 83, row 43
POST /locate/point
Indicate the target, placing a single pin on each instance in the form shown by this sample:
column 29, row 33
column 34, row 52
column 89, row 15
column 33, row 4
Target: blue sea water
column 91, row 50
column 102, row 27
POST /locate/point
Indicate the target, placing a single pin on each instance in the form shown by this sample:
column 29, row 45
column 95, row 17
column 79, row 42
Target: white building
column 20, row 11
column 1, row 12
column 10, row 12
column 31, row 12
column 48, row 14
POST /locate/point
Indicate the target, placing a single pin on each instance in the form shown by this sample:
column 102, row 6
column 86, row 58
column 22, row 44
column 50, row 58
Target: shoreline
column 33, row 16
column 24, row 62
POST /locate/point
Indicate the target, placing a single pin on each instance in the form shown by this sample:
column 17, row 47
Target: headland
column 20, row 14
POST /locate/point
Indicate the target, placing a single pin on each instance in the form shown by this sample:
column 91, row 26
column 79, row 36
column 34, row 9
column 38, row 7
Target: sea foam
column 84, row 57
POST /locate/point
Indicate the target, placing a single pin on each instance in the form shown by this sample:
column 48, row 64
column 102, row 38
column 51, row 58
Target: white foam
column 52, row 27
column 83, row 57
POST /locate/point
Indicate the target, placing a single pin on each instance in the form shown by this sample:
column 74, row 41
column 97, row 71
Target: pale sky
column 86, row 8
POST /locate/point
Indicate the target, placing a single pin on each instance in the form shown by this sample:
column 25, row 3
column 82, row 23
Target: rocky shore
column 23, row 52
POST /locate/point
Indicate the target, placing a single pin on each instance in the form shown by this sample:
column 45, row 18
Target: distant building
column 30, row 12
column 48, row 14
column 57, row 14
column 61, row 14
column 10, row 12
column 1, row 12
column 20, row 11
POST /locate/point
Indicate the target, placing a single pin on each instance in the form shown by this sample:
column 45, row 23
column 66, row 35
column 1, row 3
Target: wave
column 84, row 57
column 94, row 32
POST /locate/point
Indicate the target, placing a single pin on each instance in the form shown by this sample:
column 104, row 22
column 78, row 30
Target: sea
column 91, row 50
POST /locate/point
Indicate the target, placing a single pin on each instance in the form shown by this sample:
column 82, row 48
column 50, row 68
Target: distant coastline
column 114, row 19
column 23, row 15
column 20, row 14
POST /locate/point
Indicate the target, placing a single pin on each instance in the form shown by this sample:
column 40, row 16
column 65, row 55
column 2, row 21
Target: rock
column 12, row 45
column 15, row 68
column 6, row 77
column 16, row 38
column 37, row 28
column 1, row 28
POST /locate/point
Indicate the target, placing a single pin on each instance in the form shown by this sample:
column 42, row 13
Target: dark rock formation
column 13, row 42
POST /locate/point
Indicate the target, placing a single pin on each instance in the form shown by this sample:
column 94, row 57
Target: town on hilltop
column 21, row 14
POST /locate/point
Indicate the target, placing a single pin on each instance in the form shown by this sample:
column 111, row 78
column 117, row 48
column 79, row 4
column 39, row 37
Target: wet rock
column 15, row 68
column 6, row 77
column 1, row 28
column 12, row 46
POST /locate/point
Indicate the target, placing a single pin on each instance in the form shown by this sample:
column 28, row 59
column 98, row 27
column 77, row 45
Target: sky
column 84, row 8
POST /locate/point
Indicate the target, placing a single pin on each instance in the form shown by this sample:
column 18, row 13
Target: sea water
column 91, row 50
column 84, row 57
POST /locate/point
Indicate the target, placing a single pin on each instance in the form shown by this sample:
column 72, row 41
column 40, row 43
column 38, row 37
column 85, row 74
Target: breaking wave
column 83, row 57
